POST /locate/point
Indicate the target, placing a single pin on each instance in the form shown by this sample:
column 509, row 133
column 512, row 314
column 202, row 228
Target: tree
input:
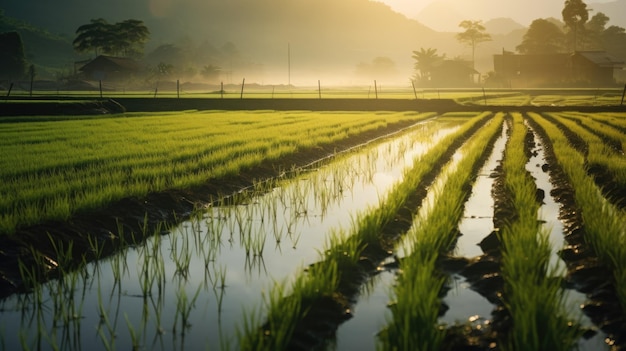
column 211, row 72
column 93, row 36
column 12, row 58
column 132, row 35
column 380, row 66
column 473, row 35
column 124, row 38
column 599, row 37
column 575, row 14
column 425, row 62
column 542, row 37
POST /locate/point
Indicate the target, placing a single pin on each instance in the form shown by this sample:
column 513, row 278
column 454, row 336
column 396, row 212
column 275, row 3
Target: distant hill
column 502, row 26
column 49, row 52
column 328, row 38
column 445, row 15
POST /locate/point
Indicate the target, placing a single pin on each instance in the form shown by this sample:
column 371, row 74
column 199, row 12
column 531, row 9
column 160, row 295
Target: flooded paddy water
column 198, row 284
column 193, row 286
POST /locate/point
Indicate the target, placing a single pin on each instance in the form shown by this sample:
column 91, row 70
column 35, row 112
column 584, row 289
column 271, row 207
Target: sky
column 411, row 8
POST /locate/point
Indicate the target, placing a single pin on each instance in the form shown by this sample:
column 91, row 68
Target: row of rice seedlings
column 533, row 292
column 604, row 224
column 414, row 313
column 342, row 253
column 596, row 124
column 599, row 152
column 57, row 169
column 150, row 261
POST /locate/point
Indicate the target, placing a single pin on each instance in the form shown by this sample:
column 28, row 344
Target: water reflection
column 188, row 289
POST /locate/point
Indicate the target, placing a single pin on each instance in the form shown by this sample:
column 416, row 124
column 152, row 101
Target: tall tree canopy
column 598, row 36
column 542, row 37
column 12, row 58
column 575, row 15
column 474, row 34
column 124, row 38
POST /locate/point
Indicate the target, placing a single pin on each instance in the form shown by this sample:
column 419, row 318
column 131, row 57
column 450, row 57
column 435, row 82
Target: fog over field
column 303, row 41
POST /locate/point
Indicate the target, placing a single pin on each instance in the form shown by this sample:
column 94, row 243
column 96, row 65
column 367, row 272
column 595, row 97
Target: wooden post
column 414, row 92
column 32, row 78
column 319, row 89
column 621, row 103
column 156, row 90
column 242, row 85
column 100, row 86
column 10, row 88
column 375, row 89
column 178, row 88
column 273, row 87
column 484, row 96
column 222, row 89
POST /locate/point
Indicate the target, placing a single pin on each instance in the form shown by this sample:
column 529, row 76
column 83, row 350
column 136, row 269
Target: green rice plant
column 604, row 224
column 533, row 296
column 599, row 152
column 343, row 250
column 413, row 322
column 53, row 170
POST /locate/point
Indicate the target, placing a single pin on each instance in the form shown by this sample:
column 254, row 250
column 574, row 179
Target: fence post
column 242, row 85
column 222, row 89
column 414, row 92
column 178, row 88
column 375, row 89
column 100, row 86
column 621, row 103
column 319, row 89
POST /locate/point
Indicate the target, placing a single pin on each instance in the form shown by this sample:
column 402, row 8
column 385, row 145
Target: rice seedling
column 162, row 151
column 603, row 223
column 413, row 322
column 532, row 294
column 343, row 250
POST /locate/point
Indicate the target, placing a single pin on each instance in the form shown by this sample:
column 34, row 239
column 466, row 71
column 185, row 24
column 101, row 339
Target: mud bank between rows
column 74, row 106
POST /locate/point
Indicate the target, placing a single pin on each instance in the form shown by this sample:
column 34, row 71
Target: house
column 589, row 68
column 596, row 68
column 109, row 68
column 453, row 74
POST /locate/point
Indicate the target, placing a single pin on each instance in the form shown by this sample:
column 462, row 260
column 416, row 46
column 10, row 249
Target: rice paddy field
column 491, row 229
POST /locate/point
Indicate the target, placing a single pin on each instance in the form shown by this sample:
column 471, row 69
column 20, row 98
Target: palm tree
column 425, row 61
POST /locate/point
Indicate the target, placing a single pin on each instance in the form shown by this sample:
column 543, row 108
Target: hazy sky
column 411, row 8
column 408, row 7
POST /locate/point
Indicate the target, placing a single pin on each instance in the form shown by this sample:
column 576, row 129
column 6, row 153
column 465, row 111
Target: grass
column 341, row 255
column 599, row 152
column 532, row 294
column 413, row 322
column 603, row 223
column 52, row 170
